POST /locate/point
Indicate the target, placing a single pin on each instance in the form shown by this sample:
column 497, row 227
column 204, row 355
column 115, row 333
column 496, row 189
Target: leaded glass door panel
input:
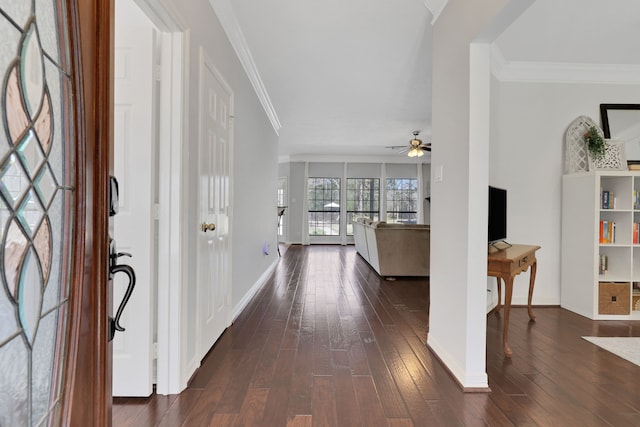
column 39, row 218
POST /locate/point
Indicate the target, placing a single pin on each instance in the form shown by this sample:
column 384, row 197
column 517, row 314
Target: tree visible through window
column 324, row 206
column 402, row 200
column 363, row 200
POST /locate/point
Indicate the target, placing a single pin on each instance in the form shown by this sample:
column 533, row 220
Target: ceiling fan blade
column 414, row 144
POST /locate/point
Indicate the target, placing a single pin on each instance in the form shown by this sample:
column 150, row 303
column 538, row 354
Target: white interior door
column 133, row 161
column 214, row 200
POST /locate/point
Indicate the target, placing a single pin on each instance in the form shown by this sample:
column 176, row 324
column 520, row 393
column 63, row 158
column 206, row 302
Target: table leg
column 508, row 293
column 497, row 310
column 532, row 279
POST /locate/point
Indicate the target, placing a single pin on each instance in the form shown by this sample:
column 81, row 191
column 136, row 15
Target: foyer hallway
column 327, row 342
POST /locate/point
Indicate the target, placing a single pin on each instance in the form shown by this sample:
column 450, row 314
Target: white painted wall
column 529, row 121
column 458, row 212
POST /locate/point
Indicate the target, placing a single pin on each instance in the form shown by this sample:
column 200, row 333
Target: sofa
column 393, row 249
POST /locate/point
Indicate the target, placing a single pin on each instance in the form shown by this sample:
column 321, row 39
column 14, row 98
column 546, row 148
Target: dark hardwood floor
column 327, row 342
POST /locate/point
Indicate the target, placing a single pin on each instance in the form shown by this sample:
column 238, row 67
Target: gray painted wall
column 254, row 167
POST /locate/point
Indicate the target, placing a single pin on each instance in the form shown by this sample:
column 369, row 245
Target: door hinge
column 157, row 72
column 156, row 211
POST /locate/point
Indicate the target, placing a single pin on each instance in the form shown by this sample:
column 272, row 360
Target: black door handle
column 114, row 323
column 113, row 258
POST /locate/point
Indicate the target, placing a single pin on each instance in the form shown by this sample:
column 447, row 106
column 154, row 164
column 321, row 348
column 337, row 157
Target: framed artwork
column 622, row 122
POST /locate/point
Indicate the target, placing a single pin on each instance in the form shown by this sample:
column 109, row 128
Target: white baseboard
column 446, row 359
column 189, row 370
column 242, row 304
column 492, row 299
column 477, row 381
column 191, row 367
column 523, row 300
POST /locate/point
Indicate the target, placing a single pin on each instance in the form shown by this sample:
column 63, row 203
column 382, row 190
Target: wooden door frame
column 87, row 384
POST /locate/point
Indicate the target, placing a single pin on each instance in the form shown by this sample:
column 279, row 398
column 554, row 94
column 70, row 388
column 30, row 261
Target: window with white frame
column 282, row 203
column 324, row 206
column 363, row 200
column 402, row 200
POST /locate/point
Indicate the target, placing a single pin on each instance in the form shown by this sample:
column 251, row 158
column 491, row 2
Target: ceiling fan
column 415, row 148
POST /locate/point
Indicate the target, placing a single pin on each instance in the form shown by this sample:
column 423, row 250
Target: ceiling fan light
column 420, row 152
column 413, row 152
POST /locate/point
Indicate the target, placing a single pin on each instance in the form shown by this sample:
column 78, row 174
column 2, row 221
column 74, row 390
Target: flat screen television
column 497, row 214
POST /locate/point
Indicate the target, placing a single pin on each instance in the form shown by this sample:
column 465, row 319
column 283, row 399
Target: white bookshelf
column 584, row 288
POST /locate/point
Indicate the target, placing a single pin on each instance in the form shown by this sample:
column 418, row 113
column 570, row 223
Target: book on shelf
column 604, row 200
column 602, row 232
column 607, row 232
column 604, row 264
column 636, row 233
column 607, row 200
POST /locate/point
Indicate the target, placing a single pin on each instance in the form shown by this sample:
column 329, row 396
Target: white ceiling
column 351, row 77
column 575, row 31
column 344, row 77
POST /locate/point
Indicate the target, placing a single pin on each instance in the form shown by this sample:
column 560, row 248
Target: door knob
column 209, row 227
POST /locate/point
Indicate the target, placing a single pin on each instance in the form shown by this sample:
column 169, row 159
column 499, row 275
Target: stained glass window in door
column 36, row 196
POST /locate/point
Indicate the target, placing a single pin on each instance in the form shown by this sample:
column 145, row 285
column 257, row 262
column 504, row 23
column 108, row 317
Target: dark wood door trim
column 88, row 381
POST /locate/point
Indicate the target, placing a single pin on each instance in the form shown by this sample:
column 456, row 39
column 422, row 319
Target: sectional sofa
column 393, row 250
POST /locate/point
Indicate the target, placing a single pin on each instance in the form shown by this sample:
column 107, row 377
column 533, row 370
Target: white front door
column 214, row 205
column 133, row 164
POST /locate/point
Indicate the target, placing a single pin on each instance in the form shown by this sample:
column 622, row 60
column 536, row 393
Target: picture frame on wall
column 622, row 122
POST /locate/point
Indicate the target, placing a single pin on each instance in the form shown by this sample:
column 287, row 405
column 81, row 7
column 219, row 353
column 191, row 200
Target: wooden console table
column 506, row 264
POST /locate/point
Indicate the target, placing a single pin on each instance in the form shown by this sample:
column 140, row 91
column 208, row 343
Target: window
column 282, row 198
column 363, row 200
column 324, row 206
column 402, row 200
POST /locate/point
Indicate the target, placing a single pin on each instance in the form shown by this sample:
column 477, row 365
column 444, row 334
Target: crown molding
column 227, row 17
column 163, row 15
column 558, row 72
column 435, row 7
